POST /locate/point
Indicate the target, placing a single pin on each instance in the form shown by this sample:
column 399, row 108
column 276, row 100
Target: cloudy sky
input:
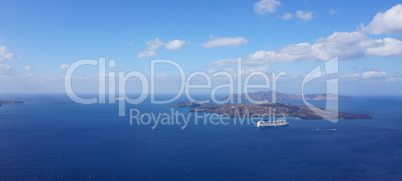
column 40, row 40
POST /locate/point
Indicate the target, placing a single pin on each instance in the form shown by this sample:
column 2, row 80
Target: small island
column 10, row 102
column 277, row 109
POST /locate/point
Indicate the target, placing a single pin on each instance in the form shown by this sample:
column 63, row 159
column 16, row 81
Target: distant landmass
column 281, row 109
column 267, row 96
column 189, row 104
column 10, row 102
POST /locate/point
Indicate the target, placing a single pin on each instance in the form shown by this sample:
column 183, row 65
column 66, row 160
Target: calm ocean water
column 51, row 137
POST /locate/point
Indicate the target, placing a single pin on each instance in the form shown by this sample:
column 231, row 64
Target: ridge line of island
column 268, row 96
column 265, row 108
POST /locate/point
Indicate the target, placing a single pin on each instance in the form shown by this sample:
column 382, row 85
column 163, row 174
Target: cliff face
column 267, row 96
column 275, row 110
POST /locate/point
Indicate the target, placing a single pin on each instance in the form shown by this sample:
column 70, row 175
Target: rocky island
column 278, row 109
column 10, row 102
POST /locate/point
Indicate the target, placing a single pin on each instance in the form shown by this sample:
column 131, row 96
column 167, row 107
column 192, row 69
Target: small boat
column 279, row 122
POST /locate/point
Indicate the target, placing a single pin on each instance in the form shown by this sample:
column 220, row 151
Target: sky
column 39, row 40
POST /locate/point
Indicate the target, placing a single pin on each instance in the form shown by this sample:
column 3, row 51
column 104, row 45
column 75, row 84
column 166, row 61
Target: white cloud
column 175, row 44
column 345, row 45
column 64, row 66
column 373, row 75
column 146, row 53
column 388, row 47
column 394, row 79
column 344, row 76
column 304, row 15
column 350, row 77
column 4, row 69
column 6, row 54
column 221, row 63
column 249, row 69
column 225, row 41
column 151, row 47
column 211, row 71
column 389, row 22
column 266, row 6
column 230, row 70
column 372, row 68
column 287, row 16
column 28, row 68
column 333, row 11
column 154, row 44
column 355, row 75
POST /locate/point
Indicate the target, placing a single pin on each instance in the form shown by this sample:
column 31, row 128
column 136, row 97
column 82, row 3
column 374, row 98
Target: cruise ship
column 279, row 122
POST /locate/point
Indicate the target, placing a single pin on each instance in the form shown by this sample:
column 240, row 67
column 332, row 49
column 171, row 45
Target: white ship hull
column 272, row 123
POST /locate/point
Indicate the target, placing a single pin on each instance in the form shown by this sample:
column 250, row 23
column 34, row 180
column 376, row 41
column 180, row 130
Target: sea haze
column 51, row 137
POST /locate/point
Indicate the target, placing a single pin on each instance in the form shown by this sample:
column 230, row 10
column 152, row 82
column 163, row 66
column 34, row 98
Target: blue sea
column 52, row 138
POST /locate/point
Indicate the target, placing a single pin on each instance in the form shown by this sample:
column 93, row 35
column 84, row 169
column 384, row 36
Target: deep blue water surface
column 51, row 137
